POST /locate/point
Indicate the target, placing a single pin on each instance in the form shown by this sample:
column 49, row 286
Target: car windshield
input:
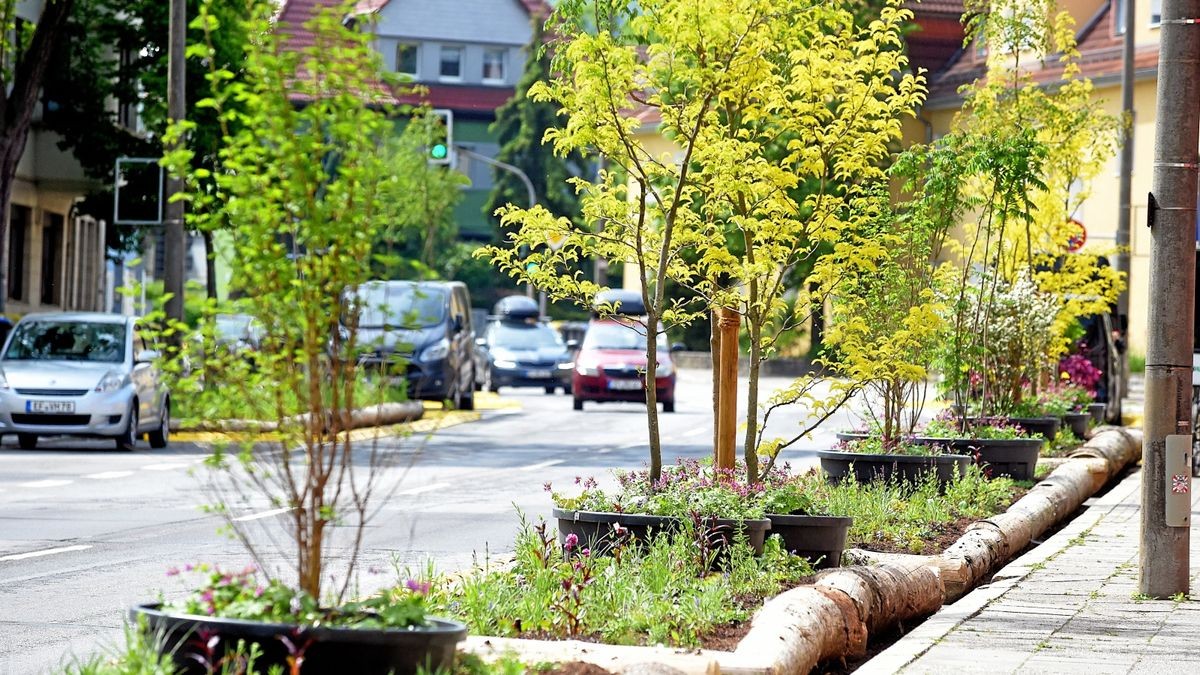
column 619, row 336
column 404, row 305
column 67, row 341
column 513, row 335
column 232, row 326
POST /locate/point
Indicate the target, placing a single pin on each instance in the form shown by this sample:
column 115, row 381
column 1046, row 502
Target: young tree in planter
column 1032, row 150
column 756, row 96
column 305, row 190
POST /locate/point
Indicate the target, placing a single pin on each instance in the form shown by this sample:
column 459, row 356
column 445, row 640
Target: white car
column 81, row 374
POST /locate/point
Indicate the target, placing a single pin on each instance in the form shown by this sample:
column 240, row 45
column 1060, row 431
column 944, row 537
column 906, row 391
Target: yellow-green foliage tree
column 1033, row 148
column 756, row 96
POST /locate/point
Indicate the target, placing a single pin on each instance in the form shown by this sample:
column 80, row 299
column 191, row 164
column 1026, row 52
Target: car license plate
column 624, row 385
column 538, row 374
column 67, row 407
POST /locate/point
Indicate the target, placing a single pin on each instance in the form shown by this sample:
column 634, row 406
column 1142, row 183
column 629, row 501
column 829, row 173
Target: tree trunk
column 750, row 449
column 17, row 112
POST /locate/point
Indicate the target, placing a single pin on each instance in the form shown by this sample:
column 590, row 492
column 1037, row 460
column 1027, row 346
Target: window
column 1155, row 12
column 52, row 236
column 1119, row 17
column 406, row 59
column 451, row 63
column 493, row 66
column 19, row 218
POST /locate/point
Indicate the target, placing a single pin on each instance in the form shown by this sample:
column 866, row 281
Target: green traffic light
column 438, row 151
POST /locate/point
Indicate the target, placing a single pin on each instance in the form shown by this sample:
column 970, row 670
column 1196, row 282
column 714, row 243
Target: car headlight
column 502, row 363
column 588, row 369
column 664, row 369
column 437, row 350
column 111, row 381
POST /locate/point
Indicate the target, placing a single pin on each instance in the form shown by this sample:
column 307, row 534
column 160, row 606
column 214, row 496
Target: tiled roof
column 461, row 98
column 1100, row 58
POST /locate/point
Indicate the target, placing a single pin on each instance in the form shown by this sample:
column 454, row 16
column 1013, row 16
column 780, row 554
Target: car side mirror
column 572, row 344
column 146, row 356
column 678, row 347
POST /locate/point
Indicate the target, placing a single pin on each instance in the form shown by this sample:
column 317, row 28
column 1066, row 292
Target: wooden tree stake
column 726, row 421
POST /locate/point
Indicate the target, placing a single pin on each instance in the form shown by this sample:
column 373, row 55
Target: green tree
column 757, row 97
column 304, row 192
column 24, row 60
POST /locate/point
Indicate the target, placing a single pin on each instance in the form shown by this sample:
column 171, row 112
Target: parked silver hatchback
column 81, row 374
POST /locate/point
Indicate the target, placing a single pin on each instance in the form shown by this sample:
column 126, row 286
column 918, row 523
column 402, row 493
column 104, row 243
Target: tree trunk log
column 833, row 617
column 371, row 416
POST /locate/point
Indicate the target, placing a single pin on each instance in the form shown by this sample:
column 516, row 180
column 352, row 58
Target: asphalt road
column 87, row 531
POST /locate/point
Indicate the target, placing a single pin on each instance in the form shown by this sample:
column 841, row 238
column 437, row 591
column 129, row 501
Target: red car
column 611, row 364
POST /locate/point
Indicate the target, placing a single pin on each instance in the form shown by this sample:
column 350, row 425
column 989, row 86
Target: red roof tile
column 461, row 98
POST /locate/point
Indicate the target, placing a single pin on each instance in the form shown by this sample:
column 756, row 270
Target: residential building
column 467, row 54
column 56, row 257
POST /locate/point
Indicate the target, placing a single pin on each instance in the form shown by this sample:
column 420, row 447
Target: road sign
column 1078, row 238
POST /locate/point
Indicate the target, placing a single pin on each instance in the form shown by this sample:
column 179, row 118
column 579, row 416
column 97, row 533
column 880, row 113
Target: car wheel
column 488, row 383
column 578, row 403
column 27, row 441
column 567, row 390
column 161, row 436
column 669, row 406
column 550, row 388
column 127, row 441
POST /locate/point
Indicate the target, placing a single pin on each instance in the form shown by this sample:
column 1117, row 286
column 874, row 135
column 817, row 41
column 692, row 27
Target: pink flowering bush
column 1078, row 370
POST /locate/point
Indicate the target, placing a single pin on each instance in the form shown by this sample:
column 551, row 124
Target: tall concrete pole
column 1163, row 557
column 1125, row 214
column 173, row 231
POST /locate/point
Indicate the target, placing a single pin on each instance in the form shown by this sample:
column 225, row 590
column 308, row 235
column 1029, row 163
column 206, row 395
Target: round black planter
column 1077, row 422
column 597, row 530
column 821, row 539
column 1047, row 427
column 1097, row 410
column 911, row 468
column 1013, row 457
column 190, row 641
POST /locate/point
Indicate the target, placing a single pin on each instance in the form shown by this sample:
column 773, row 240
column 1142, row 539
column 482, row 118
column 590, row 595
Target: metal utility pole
column 1125, row 212
column 516, row 171
column 1166, row 465
column 173, row 232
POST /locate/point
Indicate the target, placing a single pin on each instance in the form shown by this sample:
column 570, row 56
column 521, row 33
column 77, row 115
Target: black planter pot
column 1097, row 410
column 821, row 539
column 911, row 468
column 597, row 530
column 325, row 650
column 1077, row 422
column 1016, row 457
column 1047, row 427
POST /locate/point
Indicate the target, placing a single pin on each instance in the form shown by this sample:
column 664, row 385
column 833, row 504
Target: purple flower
column 172, row 571
column 546, row 486
column 418, row 587
column 258, row 591
column 586, row 552
column 571, row 541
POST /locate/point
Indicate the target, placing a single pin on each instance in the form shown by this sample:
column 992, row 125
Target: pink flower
column 571, row 541
column 172, row 571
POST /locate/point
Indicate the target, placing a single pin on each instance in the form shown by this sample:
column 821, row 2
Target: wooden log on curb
column 832, row 618
column 383, row 414
column 615, row 658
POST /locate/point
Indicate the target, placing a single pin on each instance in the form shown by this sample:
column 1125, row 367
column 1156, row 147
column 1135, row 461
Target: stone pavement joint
column 1068, row 606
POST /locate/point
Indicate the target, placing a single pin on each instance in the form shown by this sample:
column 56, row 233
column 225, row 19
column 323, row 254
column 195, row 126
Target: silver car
column 81, row 374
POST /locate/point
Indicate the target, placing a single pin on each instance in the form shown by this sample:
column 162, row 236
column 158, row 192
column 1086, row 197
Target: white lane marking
column 105, row 475
column 541, row 465
column 634, row 444
column 49, row 551
column 696, row 432
column 425, row 488
column 48, row 483
column 168, row 466
column 604, row 451
column 264, row 514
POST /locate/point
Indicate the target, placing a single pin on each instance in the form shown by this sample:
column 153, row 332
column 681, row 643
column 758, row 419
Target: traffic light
column 440, row 148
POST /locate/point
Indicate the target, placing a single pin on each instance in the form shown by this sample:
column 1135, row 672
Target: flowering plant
column 695, row 488
column 243, row 595
column 1079, row 371
column 902, row 445
column 947, row 425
